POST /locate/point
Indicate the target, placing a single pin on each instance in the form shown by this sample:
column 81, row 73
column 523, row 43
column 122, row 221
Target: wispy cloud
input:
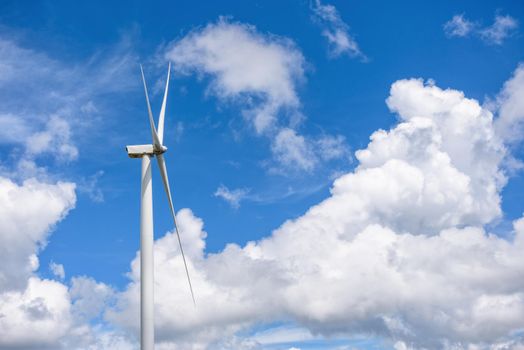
column 336, row 31
column 495, row 34
column 330, row 147
column 458, row 26
column 282, row 335
column 43, row 103
column 273, row 194
column 91, row 187
column 503, row 27
column 509, row 108
column 291, row 149
column 54, row 139
column 57, row 270
column 233, row 197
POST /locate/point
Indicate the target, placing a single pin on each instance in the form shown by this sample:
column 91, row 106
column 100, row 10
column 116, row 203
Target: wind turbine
column 146, row 152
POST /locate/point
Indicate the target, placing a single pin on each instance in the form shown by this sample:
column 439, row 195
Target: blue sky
column 269, row 101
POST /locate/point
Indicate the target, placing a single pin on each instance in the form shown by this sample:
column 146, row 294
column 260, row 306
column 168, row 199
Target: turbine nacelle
column 138, row 151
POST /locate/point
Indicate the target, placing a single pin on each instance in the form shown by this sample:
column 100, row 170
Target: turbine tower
column 146, row 152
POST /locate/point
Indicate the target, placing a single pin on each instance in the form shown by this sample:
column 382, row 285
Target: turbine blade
column 163, row 109
column 156, row 141
column 165, row 180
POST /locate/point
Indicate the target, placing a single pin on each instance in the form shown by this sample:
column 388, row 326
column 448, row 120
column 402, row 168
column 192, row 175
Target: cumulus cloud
column 471, row 166
column 397, row 250
column 495, row 34
column 260, row 73
column 336, row 31
column 33, row 312
column 36, row 317
column 37, row 313
column 29, row 212
column 89, row 297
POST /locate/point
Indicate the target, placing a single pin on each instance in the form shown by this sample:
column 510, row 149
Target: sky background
column 71, row 100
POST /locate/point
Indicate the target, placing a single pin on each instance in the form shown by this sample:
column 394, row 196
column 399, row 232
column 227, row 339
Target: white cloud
column 458, row 26
column 433, row 132
column 233, row 197
column 292, row 149
column 90, row 187
column 57, row 270
column 258, row 72
column 105, row 340
column 509, row 106
column 89, row 297
column 28, row 214
column 397, row 250
column 299, row 153
column 43, row 314
column 34, row 313
column 12, row 129
column 281, row 335
column 55, row 139
column 42, row 103
column 332, row 147
column 336, row 31
column 502, row 27
column 37, row 317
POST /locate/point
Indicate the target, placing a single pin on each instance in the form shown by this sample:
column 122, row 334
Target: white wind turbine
column 146, row 152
